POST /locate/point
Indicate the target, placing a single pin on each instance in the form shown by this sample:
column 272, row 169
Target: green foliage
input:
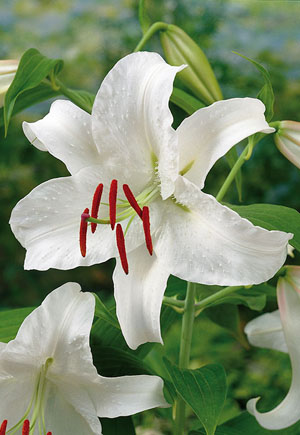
column 273, row 217
column 204, row 390
column 33, row 69
column 185, row 101
column 144, row 19
column 117, row 426
column 10, row 322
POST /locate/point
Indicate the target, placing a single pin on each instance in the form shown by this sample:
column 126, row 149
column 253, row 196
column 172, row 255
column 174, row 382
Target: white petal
column 288, row 411
column 210, row 132
column 266, row 331
column 15, row 396
column 66, row 133
column 139, row 297
column 59, row 328
column 212, row 244
column 131, row 117
column 63, row 417
column 127, row 395
column 289, row 149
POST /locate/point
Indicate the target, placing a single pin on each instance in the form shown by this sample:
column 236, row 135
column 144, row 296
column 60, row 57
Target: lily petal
column 66, row 133
column 128, row 394
column 212, row 244
column 288, row 411
column 132, row 122
column 266, row 331
column 14, row 394
column 139, row 297
column 210, row 132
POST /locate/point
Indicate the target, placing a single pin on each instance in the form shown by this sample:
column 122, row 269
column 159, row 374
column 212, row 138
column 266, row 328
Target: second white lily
column 170, row 225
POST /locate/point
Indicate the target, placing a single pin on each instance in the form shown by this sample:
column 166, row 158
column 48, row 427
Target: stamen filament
column 113, row 203
column 146, row 226
column 131, row 199
column 26, row 428
column 121, row 248
column 3, row 427
column 96, row 204
column 83, row 231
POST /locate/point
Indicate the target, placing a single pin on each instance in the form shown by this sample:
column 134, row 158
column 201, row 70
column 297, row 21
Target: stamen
column 146, row 225
column 3, row 427
column 121, row 248
column 95, row 205
column 49, row 433
column 83, row 231
column 26, row 427
column 113, row 203
column 131, row 199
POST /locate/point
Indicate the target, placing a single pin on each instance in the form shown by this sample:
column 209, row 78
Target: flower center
column 118, row 211
column 35, row 407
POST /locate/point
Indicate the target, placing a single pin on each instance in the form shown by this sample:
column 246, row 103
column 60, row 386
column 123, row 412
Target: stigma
column 119, row 210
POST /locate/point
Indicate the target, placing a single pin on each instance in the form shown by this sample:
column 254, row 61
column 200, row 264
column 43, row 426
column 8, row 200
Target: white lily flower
column 129, row 140
column 8, row 70
column 287, row 140
column 280, row 330
column 47, row 374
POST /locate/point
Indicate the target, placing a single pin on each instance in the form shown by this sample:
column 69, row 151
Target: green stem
column 185, row 350
column 216, row 296
column 72, row 96
column 173, row 302
column 150, row 32
column 238, row 164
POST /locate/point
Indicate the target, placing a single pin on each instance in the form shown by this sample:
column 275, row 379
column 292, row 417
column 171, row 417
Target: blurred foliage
column 91, row 36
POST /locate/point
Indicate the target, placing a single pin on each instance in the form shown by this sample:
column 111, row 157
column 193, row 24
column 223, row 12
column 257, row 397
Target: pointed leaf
column 204, row 390
column 144, row 19
column 10, row 322
column 33, row 68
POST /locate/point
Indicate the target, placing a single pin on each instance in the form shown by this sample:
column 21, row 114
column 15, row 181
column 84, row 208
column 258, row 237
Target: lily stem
column 185, row 350
column 72, row 96
column 238, row 164
column 150, row 32
column 216, row 296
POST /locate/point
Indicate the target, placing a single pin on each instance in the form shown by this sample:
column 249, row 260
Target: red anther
column 95, row 205
column 26, row 427
column 146, row 225
column 49, row 433
column 131, row 199
column 121, row 248
column 3, row 427
column 113, row 203
column 83, row 230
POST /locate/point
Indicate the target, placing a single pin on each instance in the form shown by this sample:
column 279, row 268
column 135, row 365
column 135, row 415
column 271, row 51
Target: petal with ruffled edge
column 208, row 243
column 66, row 133
column 210, row 132
column 139, row 297
column 266, row 331
column 46, row 222
column 131, row 119
column 288, row 411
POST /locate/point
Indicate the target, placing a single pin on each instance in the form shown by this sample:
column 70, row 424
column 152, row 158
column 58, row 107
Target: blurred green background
column 91, row 36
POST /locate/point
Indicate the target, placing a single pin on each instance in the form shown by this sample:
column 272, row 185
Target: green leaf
column 104, row 313
column 175, row 287
column 246, row 424
column 185, row 101
column 117, row 426
column 272, row 217
column 204, row 390
column 82, row 99
column 144, row 19
column 266, row 94
column 33, row 68
column 227, row 316
column 10, row 322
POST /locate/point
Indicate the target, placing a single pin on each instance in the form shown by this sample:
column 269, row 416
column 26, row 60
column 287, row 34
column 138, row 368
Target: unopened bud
column 199, row 77
column 8, row 70
column 287, row 139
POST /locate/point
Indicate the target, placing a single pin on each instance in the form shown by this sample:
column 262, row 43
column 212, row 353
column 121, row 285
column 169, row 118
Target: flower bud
column 287, row 140
column 8, row 70
column 199, row 77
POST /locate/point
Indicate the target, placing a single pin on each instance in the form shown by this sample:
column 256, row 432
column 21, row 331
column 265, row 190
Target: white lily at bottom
column 280, row 331
column 47, row 374
column 147, row 178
